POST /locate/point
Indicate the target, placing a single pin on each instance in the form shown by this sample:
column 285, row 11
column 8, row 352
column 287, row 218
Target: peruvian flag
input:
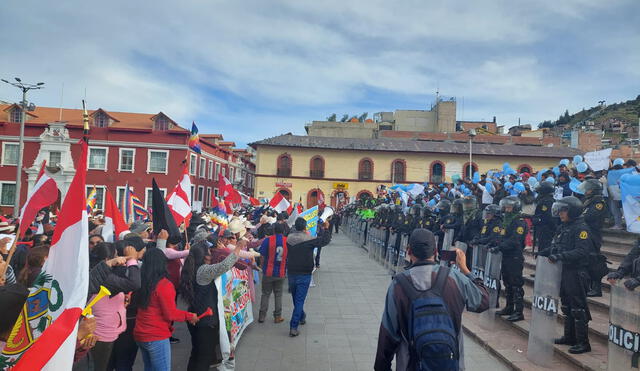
column 43, row 194
column 280, row 203
column 248, row 200
column 114, row 223
column 64, row 279
column 179, row 200
column 320, row 200
column 228, row 193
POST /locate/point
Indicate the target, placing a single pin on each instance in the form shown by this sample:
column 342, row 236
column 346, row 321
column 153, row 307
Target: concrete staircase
column 616, row 245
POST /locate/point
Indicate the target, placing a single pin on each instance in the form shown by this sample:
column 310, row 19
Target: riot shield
column 380, row 245
column 544, row 309
column 479, row 260
column 391, row 252
column 461, row 245
column 491, row 277
column 402, row 254
column 447, row 243
column 624, row 329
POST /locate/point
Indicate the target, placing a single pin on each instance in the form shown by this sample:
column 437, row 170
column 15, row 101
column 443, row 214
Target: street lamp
column 24, row 106
column 472, row 133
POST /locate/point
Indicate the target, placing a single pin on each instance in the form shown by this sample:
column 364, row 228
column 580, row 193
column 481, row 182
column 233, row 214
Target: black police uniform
column 544, row 225
column 630, row 267
column 490, row 233
column 595, row 210
column 572, row 245
column 511, row 246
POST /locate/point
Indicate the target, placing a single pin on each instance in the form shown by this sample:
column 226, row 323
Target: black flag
column 162, row 217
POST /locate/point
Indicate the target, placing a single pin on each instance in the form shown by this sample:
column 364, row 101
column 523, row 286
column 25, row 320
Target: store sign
column 284, row 185
column 341, row 185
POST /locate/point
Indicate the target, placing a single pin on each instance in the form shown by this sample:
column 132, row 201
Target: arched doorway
column 314, row 196
column 364, row 195
column 339, row 198
column 525, row 168
column 285, row 192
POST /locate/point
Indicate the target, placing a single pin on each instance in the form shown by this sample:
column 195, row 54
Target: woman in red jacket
column 156, row 311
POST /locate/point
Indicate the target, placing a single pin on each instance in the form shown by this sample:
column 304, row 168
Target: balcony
column 284, row 172
column 316, row 174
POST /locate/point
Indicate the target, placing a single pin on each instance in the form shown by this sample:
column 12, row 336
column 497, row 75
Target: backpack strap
column 407, row 286
column 441, row 280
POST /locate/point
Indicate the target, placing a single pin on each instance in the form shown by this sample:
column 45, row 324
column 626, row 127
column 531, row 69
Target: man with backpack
column 421, row 324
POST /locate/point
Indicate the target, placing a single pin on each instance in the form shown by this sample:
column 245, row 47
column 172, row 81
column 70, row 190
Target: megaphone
column 326, row 214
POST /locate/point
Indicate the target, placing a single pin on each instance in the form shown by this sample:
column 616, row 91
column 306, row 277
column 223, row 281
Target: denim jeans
column 156, row 355
column 299, row 286
column 614, row 208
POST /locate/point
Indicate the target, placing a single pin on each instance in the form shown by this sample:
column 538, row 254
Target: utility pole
column 472, row 133
column 24, row 106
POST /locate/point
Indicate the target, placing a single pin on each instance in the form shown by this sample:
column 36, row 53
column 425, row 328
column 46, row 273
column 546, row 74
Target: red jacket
column 154, row 322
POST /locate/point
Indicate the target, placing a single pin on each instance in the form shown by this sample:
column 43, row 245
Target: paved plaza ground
column 343, row 317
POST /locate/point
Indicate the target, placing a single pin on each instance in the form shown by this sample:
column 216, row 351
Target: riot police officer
column 442, row 209
column 399, row 225
column 427, row 219
column 472, row 219
column 455, row 220
column 572, row 245
column 595, row 210
column 544, row 225
column 511, row 245
column 413, row 218
column 492, row 226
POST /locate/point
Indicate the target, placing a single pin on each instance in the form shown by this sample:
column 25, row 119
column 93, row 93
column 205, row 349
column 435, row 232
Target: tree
column 363, row 117
column 332, row 118
column 344, row 118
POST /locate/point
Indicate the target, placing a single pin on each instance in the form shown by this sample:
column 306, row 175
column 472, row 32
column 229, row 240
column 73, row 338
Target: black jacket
column 573, row 243
column 300, row 253
column 513, row 238
column 472, row 227
column 116, row 280
column 630, row 265
column 490, row 232
column 542, row 220
column 595, row 210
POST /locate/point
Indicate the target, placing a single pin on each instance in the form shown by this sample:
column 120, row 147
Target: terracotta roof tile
column 425, row 146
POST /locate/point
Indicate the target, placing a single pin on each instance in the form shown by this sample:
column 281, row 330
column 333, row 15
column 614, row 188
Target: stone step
column 508, row 345
column 596, row 360
column 616, row 240
column 619, row 233
column 614, row 261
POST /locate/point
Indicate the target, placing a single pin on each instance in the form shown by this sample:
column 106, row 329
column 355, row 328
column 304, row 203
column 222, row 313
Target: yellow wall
column 342, row 166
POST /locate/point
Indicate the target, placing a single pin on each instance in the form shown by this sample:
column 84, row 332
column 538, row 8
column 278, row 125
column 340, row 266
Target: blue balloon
column 533, row 182
column 550, row 180
column 508, row 185
column 574, row 185
column 519, row 187
column 506, row 166
column 582, row 167
column 489, row 187
column 556, row 170
column 564, row 162
column 577, row 159
column 467, row 192
column 539, row 175
column 618, row 161
column 476, row 177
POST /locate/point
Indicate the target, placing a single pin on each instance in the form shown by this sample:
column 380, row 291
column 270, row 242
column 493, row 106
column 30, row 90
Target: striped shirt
column 274, row 255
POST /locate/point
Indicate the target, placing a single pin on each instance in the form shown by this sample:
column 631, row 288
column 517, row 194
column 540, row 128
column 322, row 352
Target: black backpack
column 432, row 337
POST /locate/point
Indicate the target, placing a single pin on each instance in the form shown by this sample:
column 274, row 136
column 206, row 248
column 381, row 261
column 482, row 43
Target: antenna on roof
column 61, row 98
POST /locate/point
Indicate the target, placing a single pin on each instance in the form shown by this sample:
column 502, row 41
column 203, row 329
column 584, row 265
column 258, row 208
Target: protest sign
column 630, row 188
column 311, row 216
column 237, row 309
column 598, row 160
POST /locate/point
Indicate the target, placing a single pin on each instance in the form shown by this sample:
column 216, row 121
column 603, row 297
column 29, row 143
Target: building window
column 200, row 193
column 203, row 167
column 215, row 192
column 120, row 195
column 398, row 171
column 7, row 194
column 316, row 167
column 473, row 168
column 100, row 120
column 10, row 153
column 437, row 172
column 231, row 174
column 210, row 170
column 193, row 164
column 285, row 193
column 224, row 171
column 158, row 161
column 365, row 169
column 162, row 123
column 193, row 191
column 55, row 158
column 284, row 165
column 207, row 200
column 98, row 158
column 99, row 196
column 149, row 201
column 524, row 169
column 127, row 156
column 16, row 115
column 217, row 170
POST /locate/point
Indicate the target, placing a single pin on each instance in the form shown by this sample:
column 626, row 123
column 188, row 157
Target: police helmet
column 571, row 204
column 511, row 201
column 469, row 203
column 457, row 206
column 415, row 210
column 545, row 188
column 493, row 210
column 443, row 206
column 426, row 211
column 590, row 187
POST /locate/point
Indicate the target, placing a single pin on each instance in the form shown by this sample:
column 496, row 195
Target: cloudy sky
column 254, row 69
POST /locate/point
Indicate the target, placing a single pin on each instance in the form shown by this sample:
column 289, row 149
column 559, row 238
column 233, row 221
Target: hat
column 6, row 227
column 422, row 243
column 227, row 234
column 237, row 226
column 138, row 227
column 248, row 225
column 135, row 241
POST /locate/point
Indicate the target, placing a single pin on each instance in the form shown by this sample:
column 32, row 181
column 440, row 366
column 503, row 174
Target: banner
column 235, row 296
column 311, row 216
column 598, row 160
column 630, row 188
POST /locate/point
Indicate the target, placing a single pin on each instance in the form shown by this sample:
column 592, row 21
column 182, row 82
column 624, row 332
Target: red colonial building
column 124, row 148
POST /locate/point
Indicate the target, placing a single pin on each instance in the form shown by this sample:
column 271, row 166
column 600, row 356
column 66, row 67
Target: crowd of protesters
column 155, row 280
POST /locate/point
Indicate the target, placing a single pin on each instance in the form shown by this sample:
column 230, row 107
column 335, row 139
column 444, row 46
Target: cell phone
column 448, row 255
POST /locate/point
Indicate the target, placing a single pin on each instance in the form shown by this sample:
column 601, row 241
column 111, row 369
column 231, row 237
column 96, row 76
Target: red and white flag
column 280, row 203
column 248, row 200
column 179, row 200
column 114, row 223
column 43, row 194
column 44, row 336
column 228, row 193
column 320, row 200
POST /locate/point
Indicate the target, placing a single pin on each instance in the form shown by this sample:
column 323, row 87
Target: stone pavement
column 343, row 318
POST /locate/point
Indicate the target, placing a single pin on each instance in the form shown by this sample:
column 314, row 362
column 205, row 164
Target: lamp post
column 472, row 133
column 24, row 107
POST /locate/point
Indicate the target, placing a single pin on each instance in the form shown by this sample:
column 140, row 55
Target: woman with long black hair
column 156, row 311
column 198, row 289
